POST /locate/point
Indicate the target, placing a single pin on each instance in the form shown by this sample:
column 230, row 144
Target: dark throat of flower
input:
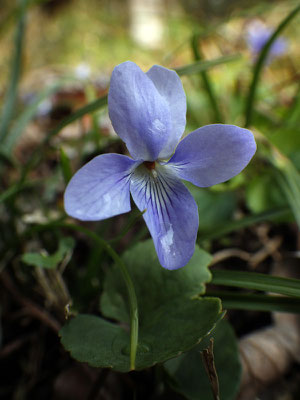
column 149, row 165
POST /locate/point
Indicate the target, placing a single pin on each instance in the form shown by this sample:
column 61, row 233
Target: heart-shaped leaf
column 154, row 285
column 172, row 317
column 169, row 332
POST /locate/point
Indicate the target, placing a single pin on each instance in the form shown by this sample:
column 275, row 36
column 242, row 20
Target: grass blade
column 15, row 13
column 11, row 94
column 244, row 223
column 89, row 108
column 15, row 189
column 256, row 281
column 256, row 302
column 206, row 80
column 200, row 66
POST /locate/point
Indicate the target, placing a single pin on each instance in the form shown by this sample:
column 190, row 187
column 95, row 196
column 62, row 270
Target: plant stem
column 134, row 322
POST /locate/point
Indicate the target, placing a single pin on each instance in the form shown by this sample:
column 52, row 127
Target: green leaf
column 285, row 138
column 172, row 317
column 11, row 94
column 149, row 277
column 263, row 195
column 43, row 260
column 257, row 302
column 188, row 375
column 256, row 281
column 176, row 327
column 200, row 66
column 173, row 328
column 100, row 343
column 261, row 61
column 214, row 207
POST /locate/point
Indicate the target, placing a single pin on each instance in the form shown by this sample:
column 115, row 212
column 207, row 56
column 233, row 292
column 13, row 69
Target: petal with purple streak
column 171, row 213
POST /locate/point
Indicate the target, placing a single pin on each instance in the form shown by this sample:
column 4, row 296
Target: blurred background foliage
column 61, row 36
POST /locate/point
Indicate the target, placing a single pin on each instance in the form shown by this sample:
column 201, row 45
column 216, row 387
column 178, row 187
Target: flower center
column 151, row 168
column 149, row 165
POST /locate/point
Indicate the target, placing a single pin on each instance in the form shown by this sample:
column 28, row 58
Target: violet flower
column 257, row 36
column 148, row 112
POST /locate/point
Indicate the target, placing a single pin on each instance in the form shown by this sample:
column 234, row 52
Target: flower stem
column 134, row 322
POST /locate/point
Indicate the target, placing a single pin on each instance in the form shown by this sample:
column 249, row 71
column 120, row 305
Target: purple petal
column 257, row 39
column 171, row 213
column 257, row 36
column 139, row 114
column 169, row 86
column 279, row 47
column 213, row 154
column 100, row 189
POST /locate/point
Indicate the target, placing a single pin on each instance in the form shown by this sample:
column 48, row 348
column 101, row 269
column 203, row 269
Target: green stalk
column 206, row 80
